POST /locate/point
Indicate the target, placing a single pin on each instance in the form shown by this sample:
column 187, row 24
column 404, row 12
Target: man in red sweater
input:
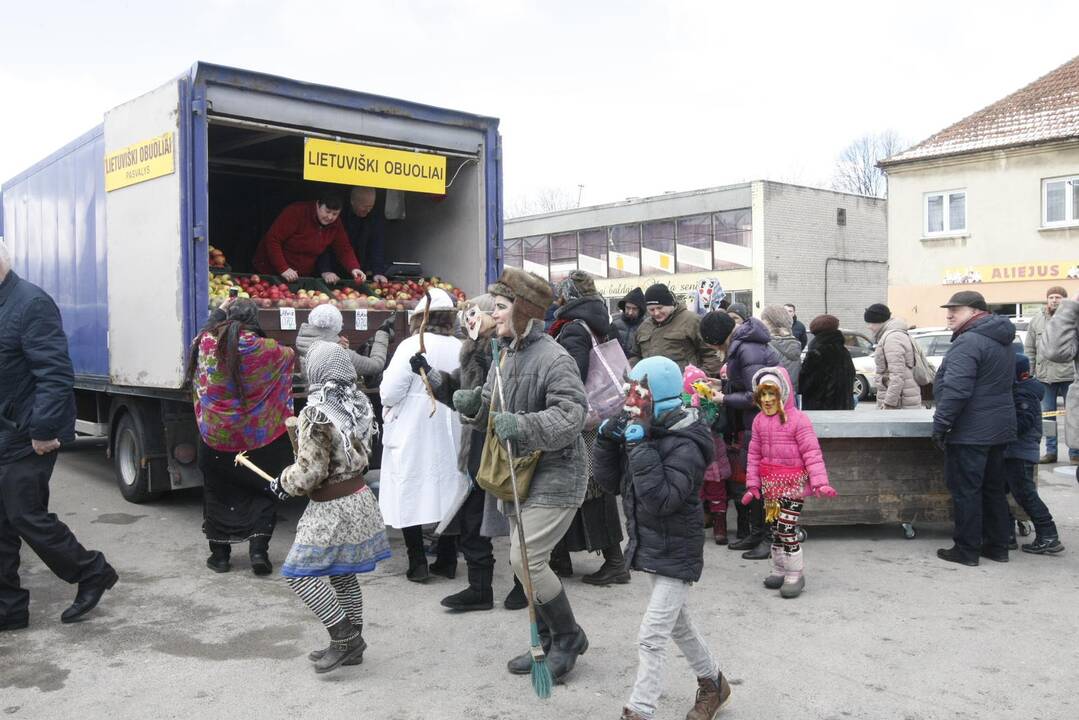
column 300, row 234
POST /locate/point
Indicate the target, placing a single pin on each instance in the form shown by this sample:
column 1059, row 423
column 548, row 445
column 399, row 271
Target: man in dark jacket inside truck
column 365, row 223
column 37, row 416
column 973, row 423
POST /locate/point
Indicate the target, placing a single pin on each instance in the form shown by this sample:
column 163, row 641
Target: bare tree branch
column 856, row 168
column 544, row 200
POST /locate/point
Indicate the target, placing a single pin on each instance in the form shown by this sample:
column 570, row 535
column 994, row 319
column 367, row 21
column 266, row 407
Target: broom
column 541, row 674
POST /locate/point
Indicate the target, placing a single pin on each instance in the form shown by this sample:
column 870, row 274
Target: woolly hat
column 1056, row 290
column 877, row 313
column 1022, row 366
column 326, row 316
column 777, row 319
column 740, row 310
column 659, row 294
column 530, row 293
column 577, row 284
column 824, row 323
column 716, row 327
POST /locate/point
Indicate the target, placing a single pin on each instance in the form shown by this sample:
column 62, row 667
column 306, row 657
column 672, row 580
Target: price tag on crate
column 361, row 319
column 288, row 318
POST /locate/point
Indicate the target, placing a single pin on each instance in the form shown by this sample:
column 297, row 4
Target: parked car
column 933, row 341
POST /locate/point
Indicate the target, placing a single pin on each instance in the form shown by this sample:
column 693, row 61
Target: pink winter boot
column 775, row 580
column 794, row 580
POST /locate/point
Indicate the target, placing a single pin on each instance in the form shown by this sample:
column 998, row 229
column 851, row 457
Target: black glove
column 419, row 362
column 614, row 428
column 387, row 327
column 277, row 491
column 938, row 440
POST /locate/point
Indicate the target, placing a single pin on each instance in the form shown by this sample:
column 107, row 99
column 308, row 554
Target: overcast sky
column 626, row 98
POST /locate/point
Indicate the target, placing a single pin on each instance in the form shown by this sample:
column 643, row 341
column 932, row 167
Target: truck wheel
column 861, row 387
column 128, row 450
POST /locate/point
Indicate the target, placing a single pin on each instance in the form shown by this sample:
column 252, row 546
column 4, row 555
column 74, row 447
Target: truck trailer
column 117, row 224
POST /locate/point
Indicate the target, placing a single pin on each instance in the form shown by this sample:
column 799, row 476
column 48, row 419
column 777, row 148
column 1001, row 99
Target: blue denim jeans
column 1049, row 404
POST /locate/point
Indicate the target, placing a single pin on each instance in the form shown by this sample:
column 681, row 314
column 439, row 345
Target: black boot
column 522, row 664
column 560, row 561
column 346, row 647
column 417, row 558
column 477, row 596
column 89, row 595
column 763, row 549
column 219, row 557
column 316, row 655
column 613, row 571
column 743, row 520
column 568, row 640
column 259, row 552
column 516, row 599
column 755, row 520
column 445, row 563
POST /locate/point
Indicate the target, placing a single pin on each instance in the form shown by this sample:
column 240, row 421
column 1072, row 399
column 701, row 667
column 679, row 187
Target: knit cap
column 824, row 323
column 326, row 316
column 716, row 327
column 877, row 313
column 659, row 294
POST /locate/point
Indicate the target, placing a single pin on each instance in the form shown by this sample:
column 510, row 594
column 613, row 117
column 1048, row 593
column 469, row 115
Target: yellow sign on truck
column 351, row 164
column 145, row 160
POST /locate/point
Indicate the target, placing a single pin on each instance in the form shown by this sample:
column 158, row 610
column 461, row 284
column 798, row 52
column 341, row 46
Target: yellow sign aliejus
column 142, row 161
column 351, row 164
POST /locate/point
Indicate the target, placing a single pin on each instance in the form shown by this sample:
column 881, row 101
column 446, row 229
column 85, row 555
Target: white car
column 934, row 343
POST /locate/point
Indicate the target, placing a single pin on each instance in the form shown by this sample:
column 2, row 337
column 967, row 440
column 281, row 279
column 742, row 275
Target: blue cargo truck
column 117, row 226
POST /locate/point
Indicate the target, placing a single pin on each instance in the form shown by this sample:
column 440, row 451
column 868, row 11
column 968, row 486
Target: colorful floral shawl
column 229, row 423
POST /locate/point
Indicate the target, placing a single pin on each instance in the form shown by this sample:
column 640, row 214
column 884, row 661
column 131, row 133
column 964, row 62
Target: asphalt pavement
column 884, row 630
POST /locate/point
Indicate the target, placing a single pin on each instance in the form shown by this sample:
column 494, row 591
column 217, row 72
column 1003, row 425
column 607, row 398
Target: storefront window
column 694, row 244
column 514, row 254
column 734, row 239
column 593, row 257
column 657, row 247
column 563, row 255
column 536, row 255
column 624, row 258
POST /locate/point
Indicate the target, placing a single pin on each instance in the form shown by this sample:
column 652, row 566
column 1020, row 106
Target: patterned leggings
column 332, row 604
column 785, row 527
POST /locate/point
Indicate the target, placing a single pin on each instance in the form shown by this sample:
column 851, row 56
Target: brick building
column 767, row 242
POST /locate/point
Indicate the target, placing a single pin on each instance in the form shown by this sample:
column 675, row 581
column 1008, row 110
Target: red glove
column 751, row 495
column 824, row 491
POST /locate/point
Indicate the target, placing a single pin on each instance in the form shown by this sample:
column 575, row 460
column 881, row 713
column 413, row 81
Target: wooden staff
column 423, row 351
column 241, row 459
column 292, row 426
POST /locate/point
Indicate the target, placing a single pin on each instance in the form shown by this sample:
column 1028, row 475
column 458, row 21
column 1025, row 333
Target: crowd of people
column 499, row 395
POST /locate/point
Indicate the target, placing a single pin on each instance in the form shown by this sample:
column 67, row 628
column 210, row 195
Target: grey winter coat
column 973, row 387
column 894, row 358
column 365, row 366
column 542, row 385
column 1062, row 346
column 1042, row 366
column 790, row 356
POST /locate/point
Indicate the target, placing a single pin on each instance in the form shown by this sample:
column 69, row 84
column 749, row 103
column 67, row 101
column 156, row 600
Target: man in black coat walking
column 973, row 423
column 37, row 416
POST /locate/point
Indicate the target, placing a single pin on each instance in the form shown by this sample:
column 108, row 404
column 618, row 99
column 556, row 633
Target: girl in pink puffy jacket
column 786, row 464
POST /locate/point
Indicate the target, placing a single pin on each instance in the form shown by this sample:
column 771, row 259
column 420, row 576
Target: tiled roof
column 1046, row 109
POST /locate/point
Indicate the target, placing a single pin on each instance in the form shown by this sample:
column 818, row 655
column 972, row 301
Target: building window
column 593, row 257
column 1060, row 201
column 624, row 257
column 657, row 247
column 536, row 255
column 694, row 235
column 945, row 212
column 514, row 255
column 563, row 255
column 733, row 245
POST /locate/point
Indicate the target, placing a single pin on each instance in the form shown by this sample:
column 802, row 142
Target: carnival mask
column 769, row 399
column 638, row 403
column 476, row 321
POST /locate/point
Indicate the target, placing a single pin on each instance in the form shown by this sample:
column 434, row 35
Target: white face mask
column 474, row 321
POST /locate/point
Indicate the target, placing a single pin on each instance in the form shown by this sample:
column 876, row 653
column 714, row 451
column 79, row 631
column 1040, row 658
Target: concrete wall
column 1004, row 227
column 810, row 260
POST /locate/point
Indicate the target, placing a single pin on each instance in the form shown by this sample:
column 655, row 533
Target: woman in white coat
column 419, row 481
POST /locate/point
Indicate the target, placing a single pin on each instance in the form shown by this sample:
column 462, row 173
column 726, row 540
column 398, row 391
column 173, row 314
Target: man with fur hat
column 544, row 413
column 1057, row 377
column 624, row 325
column 671, row 331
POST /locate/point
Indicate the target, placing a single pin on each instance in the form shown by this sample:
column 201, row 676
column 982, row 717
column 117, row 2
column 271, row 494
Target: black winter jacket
column 622, row 328
column 749, row 352
column 827, row 380
column 573, row 337
column 798, row 330
column 37, row 400
column 973, row 386
column 1028, row 420
column 660, row 482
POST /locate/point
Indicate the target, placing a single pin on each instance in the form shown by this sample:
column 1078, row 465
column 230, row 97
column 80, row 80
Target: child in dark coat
column 1021, row 459
column 655, row 454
